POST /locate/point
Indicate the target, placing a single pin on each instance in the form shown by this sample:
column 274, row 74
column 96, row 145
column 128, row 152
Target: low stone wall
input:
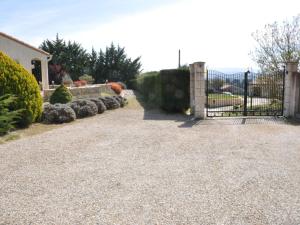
column 84, row 91
column 214, row 103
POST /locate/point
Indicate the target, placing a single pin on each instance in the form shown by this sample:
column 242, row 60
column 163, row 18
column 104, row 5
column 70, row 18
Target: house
column 232, row 89
column 34, row 60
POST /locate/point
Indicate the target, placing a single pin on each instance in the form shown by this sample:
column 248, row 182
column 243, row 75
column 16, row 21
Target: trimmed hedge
column 61, row 95
column 167, row 89
column 16, row 80
column 175, row 92
column 149, row 86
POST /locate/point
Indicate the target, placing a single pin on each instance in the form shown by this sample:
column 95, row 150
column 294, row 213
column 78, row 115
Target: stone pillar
column 198, row 89
column 192, row 88
column 290, row 91
column 44, row 69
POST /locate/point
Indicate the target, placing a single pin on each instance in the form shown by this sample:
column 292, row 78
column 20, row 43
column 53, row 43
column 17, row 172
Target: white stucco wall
column 24, row 54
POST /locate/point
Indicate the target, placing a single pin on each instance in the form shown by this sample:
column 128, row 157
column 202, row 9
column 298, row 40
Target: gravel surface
column 134, row 167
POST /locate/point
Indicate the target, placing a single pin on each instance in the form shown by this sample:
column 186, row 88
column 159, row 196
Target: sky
column 217, row 32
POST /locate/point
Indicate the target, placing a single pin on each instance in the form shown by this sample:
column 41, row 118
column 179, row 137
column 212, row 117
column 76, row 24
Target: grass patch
column 221, row 96
column 34, row 129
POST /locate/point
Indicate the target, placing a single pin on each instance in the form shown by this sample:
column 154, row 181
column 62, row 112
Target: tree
column 68, row 58
column 113, row 65
column 277, row 44
column 216, row 84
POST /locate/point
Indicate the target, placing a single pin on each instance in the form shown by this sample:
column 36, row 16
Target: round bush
column 100, row 105
column 117, row 88
column 58, row 113
column 89, row 79
column 122, row 101
column 123, row 85
column 110, row 102
column 16, row 80
column 61, row 95
column 84, row 108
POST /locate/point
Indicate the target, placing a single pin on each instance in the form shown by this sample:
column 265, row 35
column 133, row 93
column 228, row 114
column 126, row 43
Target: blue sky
column 33, row 17
column 215, row 31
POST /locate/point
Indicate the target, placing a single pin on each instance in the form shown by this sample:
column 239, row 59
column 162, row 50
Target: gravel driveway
column 131, row 167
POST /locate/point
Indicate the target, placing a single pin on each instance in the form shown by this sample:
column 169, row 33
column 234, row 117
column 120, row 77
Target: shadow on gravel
column 151, row 112
column 235, row 121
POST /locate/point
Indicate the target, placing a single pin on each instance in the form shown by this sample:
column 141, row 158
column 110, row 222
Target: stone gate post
column 197, row 89
column 291, row 95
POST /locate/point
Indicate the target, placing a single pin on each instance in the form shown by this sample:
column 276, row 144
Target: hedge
column 175, row 91
column 167, row 89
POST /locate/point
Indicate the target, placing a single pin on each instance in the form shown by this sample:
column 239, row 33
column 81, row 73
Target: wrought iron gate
column 244, row 94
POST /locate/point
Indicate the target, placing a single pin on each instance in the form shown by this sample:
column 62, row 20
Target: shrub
column 61, row 95
column 123, row 85
column 89, row 79
column 149, row 86
column 122, row 101
column 100, row 105
column 16, row 80
column 58, row 113
column 84, row 108
column 117, row 88
column 175, row 91
column 80, row 83
column 7, row 118
column 168, row 89
column 67, row 80
column 110, row 102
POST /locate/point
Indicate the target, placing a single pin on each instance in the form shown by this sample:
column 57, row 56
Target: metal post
column 283, row 87
column 245, row 93
column 207, row 93
column 179, row 58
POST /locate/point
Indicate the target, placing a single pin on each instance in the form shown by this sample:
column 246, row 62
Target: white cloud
column 215, row 31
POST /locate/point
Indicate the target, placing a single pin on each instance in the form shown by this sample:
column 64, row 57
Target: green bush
column 89, row 79
column 175, row 92
column 7, row 117
column 167, row 89
column 149, row 86
column 61, row 95
column 16, row 80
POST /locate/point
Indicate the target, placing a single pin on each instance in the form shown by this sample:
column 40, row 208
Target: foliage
column 84, row 108
column 7, row 117
column 110, row 102
column 175, row 91
column 149, row 86
column 113, row 65
column 67, row 80
column 216, row 84
column 68, row 57
column 100, row 105
column 116, row 87
column 58, row 113
column 122, row 84
column 61, row 95
column 122, row 101
column 277, row 44
column 71, row 58
column 168, row 89
column 80, row 83
column 89, row 79
column 15, row 80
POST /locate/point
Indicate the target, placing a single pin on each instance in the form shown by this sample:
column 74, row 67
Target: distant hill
column 233, row 70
